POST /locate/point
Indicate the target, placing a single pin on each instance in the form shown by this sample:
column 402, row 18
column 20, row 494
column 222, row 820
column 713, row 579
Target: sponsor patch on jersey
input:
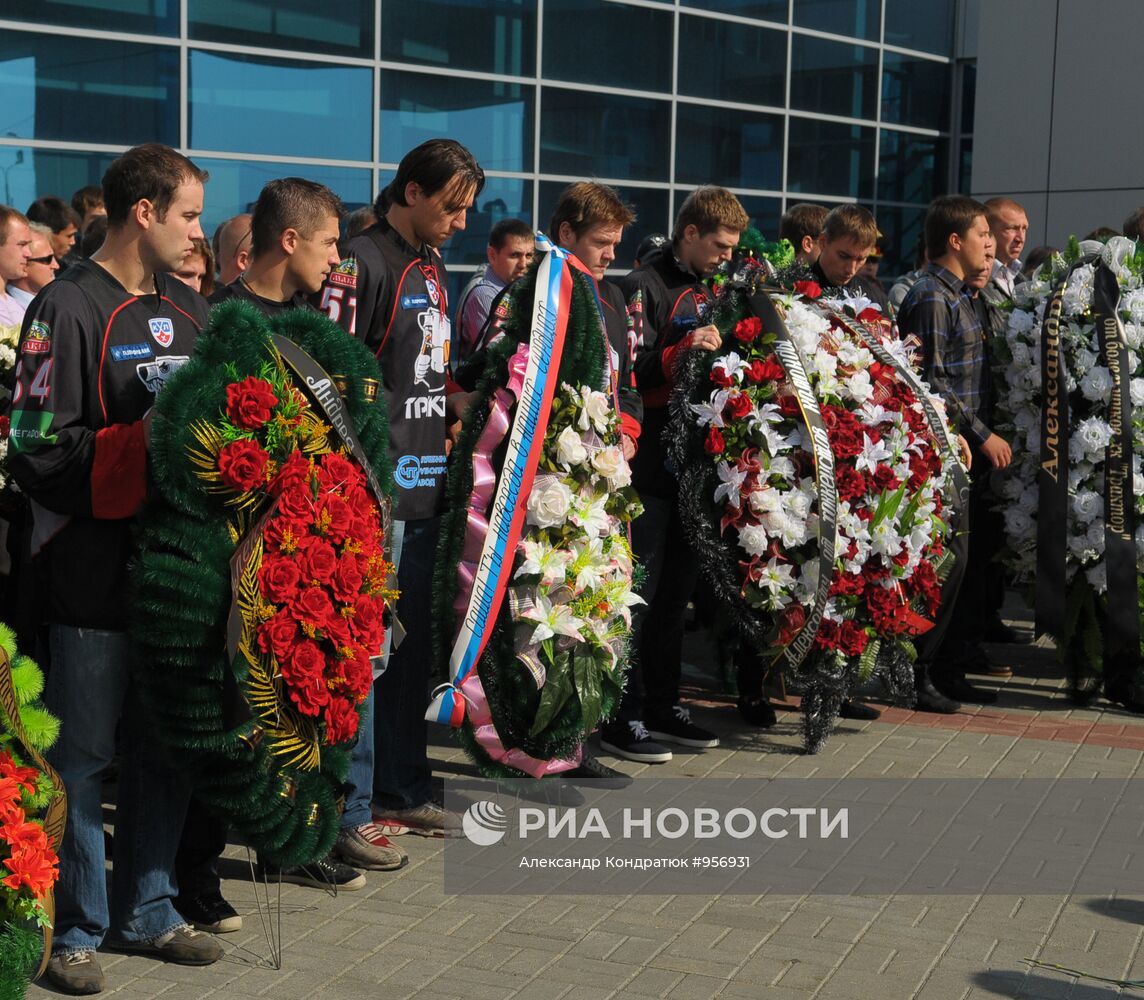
column 162, row 330
column 414, row 301
column 345, row 274
column 154, row 374
column 407, row 471
column 131, row 352
column 434, row 294
column 38, row 339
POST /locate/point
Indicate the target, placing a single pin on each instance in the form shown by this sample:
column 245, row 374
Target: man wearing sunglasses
column 41, row 267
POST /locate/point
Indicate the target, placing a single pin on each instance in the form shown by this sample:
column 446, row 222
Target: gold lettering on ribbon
column 1052, row 388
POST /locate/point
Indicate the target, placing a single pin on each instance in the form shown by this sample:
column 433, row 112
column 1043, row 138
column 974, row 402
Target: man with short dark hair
column 231, row 245
column 87, row 203
column 96, row 347
column 15, row 251
column 61, row 218
column 801, row 226
column 665, row 296
column 940, row 312
column 510, row 250
column 391, row 291
column 294, row 246
column 1134, row 225
column 849, row 236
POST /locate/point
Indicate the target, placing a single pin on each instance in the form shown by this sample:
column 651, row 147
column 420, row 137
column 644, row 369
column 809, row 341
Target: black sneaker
column 597, row 774
column 631, row 741
column 325, row 873
column 678, row 728
column 209, row 912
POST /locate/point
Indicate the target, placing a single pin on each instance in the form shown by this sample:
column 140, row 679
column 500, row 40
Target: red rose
column 852, row 638
column 358, row 673
column 738, row 406
column 360, row 500
column 337, row 629
column 347, row 580
column 312, row 605
column 5, row 425
column 250, row 402
column 828, row 634
column 720, row 377
column 851, row 483
column 297, row 502
column 280, row 578
column 284, row 534
column 334, row 518
column 811, row 289
column 293, row 474
column 319, row 560
column 242, row 464
column 304, row 673
column 337, row 472
column 748, row 329
column 791, row 623
column 788, row 406
column 367, row 624
column 884, row 478
column 278, row 635
column 341, row 721
column 714, row 444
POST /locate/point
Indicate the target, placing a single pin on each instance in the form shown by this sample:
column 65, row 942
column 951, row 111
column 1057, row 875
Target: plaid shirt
column 939, row 312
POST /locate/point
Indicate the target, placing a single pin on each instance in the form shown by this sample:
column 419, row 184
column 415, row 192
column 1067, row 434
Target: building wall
column 780, row 100
column 1058, row 112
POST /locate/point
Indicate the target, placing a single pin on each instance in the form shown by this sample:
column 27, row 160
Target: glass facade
column 780, row 100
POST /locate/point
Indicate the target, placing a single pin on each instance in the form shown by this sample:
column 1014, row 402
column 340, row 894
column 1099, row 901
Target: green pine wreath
column 198, row 697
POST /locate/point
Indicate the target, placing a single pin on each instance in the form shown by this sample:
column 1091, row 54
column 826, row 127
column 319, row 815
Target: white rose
column 609, row 463
column 1021, row 321
column 1097, row 384
column 1018, row 523
column 754, row 539
column 860, row 387
column 1087, row 505
column 596, row 408
column 1098, row 577
column 548, row 507
column 570, row 448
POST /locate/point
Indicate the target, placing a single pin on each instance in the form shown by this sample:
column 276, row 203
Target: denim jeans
column 391, row 761
column 90, row 689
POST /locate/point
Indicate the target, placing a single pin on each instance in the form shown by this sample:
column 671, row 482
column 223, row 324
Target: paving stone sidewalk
column 402, row 936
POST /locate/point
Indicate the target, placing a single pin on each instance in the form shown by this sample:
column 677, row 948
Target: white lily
column 711, row 412
column 552, row 620
column 731, row 480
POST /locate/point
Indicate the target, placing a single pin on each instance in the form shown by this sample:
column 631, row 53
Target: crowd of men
column 133, row 290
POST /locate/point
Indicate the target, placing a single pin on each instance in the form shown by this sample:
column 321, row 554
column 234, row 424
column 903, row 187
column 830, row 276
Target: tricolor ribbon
column 534, row 390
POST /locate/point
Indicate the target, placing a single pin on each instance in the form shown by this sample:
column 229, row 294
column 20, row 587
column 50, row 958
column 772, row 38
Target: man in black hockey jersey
column 665, row 295
column 390, row 292
column 95, row 348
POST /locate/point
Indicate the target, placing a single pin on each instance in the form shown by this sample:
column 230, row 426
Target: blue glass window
column 916, row 91
column 731, row 61
column 494, row 36
column 586, row 134
column 853, row 18
column 30, row 173
column 900, row 228
column 729, row 147
column 649, row 204
column 251, row 104
column 590, row 41
column 912, row 167
column 88, row 90
column 344, row 28
column 234, row 185
column 927, row 26
column 765, row 10
column 833, row 78
column 144, row 17
column 494, row 120
column 765, row 213
column 830, row 158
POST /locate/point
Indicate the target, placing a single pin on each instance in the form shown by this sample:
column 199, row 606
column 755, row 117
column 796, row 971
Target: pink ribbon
column 485, row 481
column 481, row 719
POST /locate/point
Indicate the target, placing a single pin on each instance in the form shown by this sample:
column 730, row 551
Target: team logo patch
column 131, row 352
column 414, row 301
column 162, row 330
column 406, row 471
column 434, row 294
column 345, row 274
column 38, row 339
column 154, row 374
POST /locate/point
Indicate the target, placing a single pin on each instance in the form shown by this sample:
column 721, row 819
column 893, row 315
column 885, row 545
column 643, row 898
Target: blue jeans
column 91, row 689
column 391, row 762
